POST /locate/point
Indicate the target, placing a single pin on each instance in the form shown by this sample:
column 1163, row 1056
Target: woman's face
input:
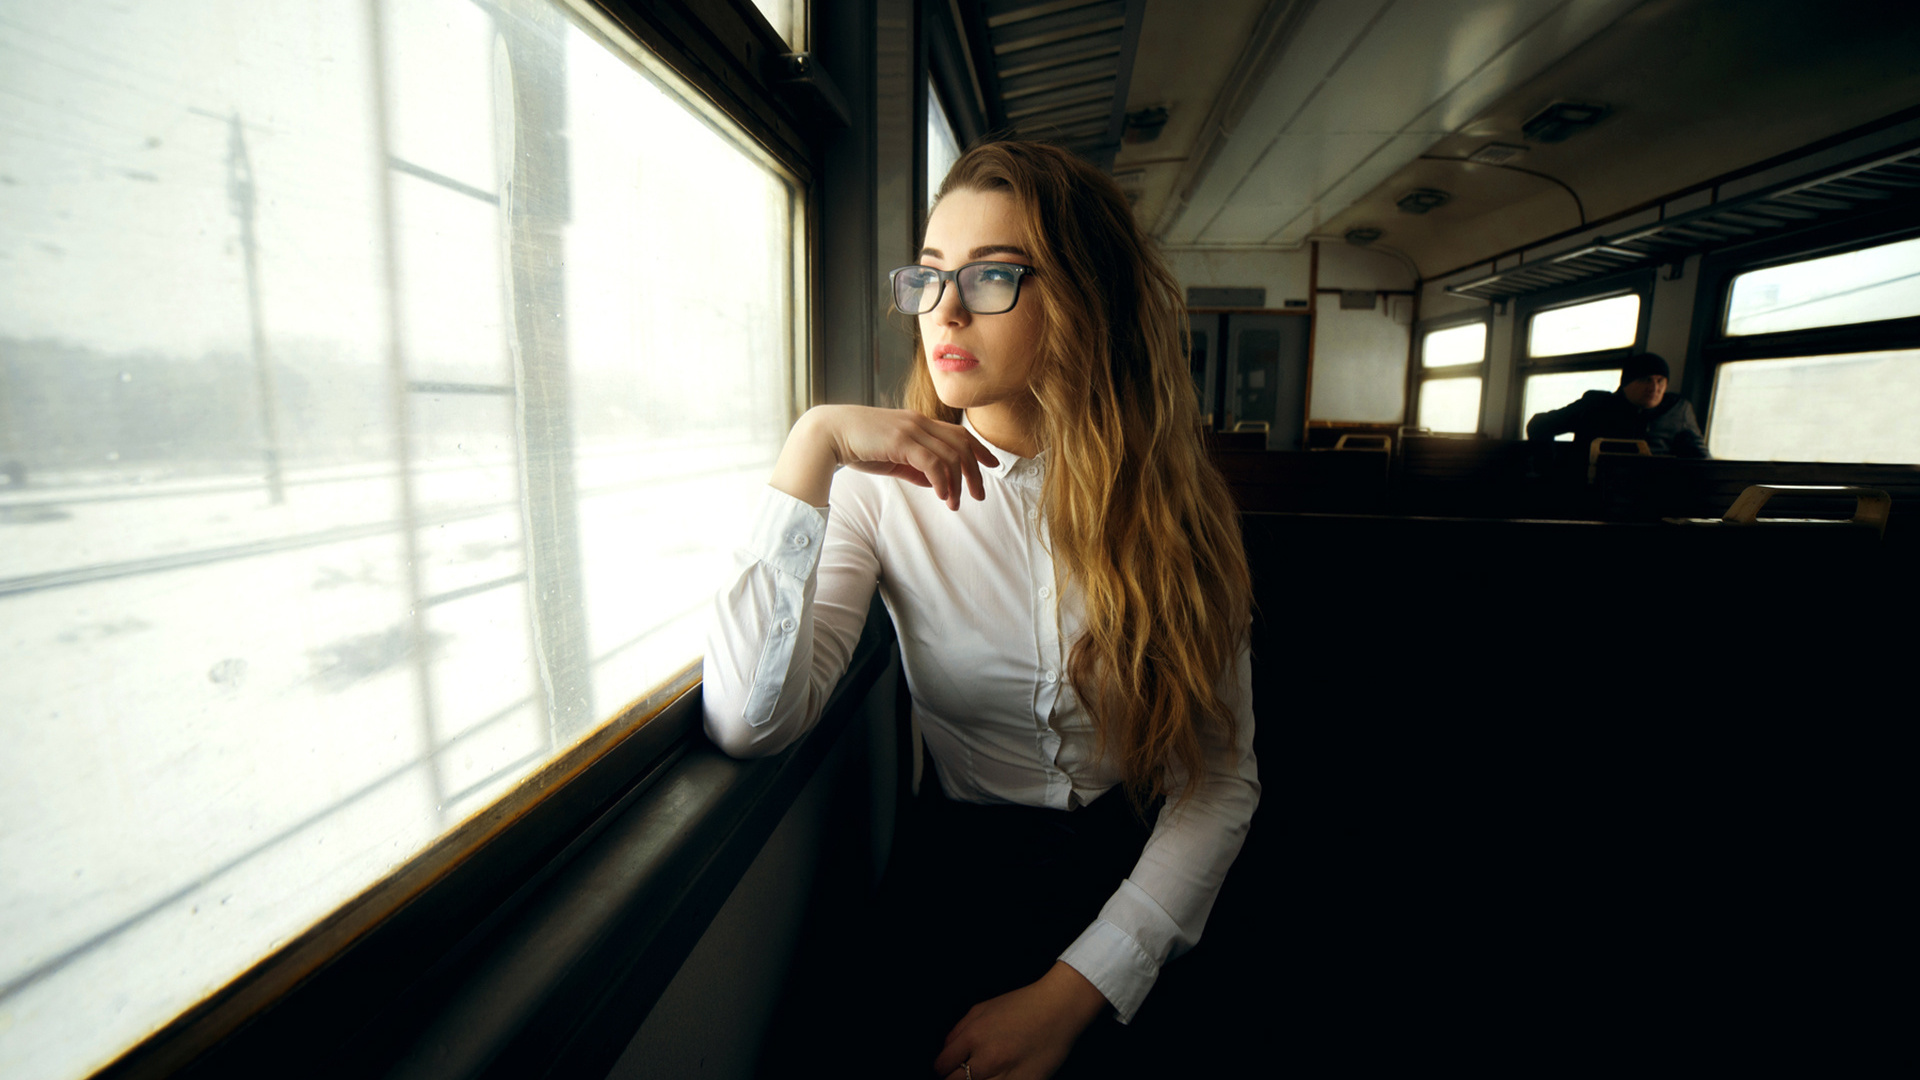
column 979, row 361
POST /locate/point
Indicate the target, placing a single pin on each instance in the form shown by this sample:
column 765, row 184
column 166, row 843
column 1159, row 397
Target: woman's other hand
column 1022, row 1035
column 891, row 442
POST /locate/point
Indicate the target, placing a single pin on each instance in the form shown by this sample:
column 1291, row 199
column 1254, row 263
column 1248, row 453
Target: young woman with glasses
column 1074, row 634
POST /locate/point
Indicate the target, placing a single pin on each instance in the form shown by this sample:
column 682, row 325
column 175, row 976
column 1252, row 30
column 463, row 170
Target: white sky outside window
column 1455, row 345
column 1852, row 408
column 1858, row 286
column 1559, row 389
column 1612, row 323
column 1450, row 405
column 220, row 724
column 943, row 149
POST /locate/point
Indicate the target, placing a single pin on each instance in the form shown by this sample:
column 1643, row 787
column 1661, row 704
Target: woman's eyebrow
column 980, row 252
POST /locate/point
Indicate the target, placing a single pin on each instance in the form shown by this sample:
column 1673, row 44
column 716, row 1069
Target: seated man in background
column 1640, row 409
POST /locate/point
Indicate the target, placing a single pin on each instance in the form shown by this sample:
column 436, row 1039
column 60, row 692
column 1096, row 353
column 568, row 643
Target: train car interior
column 373, row 440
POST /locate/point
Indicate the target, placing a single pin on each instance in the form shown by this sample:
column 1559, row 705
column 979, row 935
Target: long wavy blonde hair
column 1138, row 517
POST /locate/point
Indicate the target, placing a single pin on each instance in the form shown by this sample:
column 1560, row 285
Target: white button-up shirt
column 984, row 635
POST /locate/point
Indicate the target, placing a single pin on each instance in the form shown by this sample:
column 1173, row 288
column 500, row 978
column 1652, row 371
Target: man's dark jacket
column 1668, row 428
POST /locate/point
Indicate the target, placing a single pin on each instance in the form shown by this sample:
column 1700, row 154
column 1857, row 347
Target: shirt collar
column 1012, row 468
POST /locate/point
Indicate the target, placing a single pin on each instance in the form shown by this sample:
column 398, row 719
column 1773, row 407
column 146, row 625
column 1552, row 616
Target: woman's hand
column 891, row 442
column 1022, row 1035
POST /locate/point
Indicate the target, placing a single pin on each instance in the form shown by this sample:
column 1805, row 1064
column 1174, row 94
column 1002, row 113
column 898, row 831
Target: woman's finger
column 972, row 454
column 945, row 461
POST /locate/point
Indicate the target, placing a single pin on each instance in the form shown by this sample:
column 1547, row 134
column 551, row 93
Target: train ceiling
column 1324, row 116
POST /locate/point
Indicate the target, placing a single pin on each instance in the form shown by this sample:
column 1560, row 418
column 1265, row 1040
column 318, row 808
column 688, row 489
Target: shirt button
column 1052, row 675
column 800, row 540
column 1045, row 591
column 787, row 625
column 1033, row 515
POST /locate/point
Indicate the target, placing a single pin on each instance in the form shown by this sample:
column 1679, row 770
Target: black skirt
column 979, row 901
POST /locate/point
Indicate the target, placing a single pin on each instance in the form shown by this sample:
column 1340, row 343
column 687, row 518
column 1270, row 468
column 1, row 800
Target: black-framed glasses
column 986, row 288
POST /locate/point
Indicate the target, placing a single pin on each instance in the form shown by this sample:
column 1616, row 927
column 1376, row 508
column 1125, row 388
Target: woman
column 1074, row 635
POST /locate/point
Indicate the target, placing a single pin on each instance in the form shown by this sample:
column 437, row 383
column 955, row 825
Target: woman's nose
column 949, row 311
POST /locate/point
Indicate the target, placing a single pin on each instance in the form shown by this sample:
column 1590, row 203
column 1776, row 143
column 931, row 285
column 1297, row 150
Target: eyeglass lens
column 985, row 288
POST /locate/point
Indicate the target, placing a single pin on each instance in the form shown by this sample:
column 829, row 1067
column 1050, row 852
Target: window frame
column 1638, row 282
column 367, row 961
column 1421, row 373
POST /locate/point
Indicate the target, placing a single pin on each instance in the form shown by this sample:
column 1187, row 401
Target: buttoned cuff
column 786, row 534
column 1115, row 964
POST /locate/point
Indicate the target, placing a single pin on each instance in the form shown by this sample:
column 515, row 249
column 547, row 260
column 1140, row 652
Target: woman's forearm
column 806, row 464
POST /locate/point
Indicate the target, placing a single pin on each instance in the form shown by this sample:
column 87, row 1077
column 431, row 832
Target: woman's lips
column 953, row 358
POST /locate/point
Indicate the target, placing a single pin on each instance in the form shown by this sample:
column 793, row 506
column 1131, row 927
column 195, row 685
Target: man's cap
column 1642, row 366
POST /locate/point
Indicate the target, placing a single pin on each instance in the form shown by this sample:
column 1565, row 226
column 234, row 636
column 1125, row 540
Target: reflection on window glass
column 1455, row 345
column 943, row 149
column 1859, row 286
column 1451, row 405
column 1612, row 323
column 359, row 452
column 1855, row 407
column 1559, row 389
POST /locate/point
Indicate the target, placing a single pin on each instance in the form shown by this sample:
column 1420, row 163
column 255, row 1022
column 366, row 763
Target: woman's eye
column 996, row 275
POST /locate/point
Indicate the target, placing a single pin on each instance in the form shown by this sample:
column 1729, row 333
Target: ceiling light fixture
column 1421, row 200
column 1146, row 124
column 1562, row 119
column 1495, row 153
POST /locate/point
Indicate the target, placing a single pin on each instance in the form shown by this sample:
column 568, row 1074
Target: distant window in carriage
column 1452, row 373
column 1595, row 326
column 1455, row 345
column 1853, row 407
column 1868, row 285
column 1846, row 390
column 379, row 398
column 1450, row 405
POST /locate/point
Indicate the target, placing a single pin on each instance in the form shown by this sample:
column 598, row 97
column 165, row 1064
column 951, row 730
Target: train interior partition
column 1573, row 757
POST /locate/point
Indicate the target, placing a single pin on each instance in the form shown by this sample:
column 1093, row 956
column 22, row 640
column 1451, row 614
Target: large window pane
column 1856, row 407
column 375, row 398
column 1562, row 388
column 1612, row 323
column 1454, row 345
column 1860, row 286
column 1451, row 405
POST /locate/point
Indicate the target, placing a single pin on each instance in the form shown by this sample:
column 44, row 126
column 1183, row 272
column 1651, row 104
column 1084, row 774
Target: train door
column 1266, row 375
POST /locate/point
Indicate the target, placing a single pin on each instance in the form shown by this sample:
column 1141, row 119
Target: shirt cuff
column 1115, row 964
column 786, row 533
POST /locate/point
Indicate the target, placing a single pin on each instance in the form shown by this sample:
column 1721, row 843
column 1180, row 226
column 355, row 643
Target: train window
column 1454, row 345
column 1450, row 404
column 1452, row 370
column 1552, row 390
column 371, row 437
column 1611, row 323
column 943, row 148
column 1855, row 407
column 1867, row 285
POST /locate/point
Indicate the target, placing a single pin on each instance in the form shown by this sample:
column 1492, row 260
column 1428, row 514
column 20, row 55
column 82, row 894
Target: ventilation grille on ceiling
column 1797, row 203
column 1056, row 65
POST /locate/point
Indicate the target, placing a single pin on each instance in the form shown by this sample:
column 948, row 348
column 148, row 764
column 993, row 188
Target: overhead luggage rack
column 1798, row 202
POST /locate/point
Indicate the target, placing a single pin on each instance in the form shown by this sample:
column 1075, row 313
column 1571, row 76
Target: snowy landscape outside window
column 381, row 388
